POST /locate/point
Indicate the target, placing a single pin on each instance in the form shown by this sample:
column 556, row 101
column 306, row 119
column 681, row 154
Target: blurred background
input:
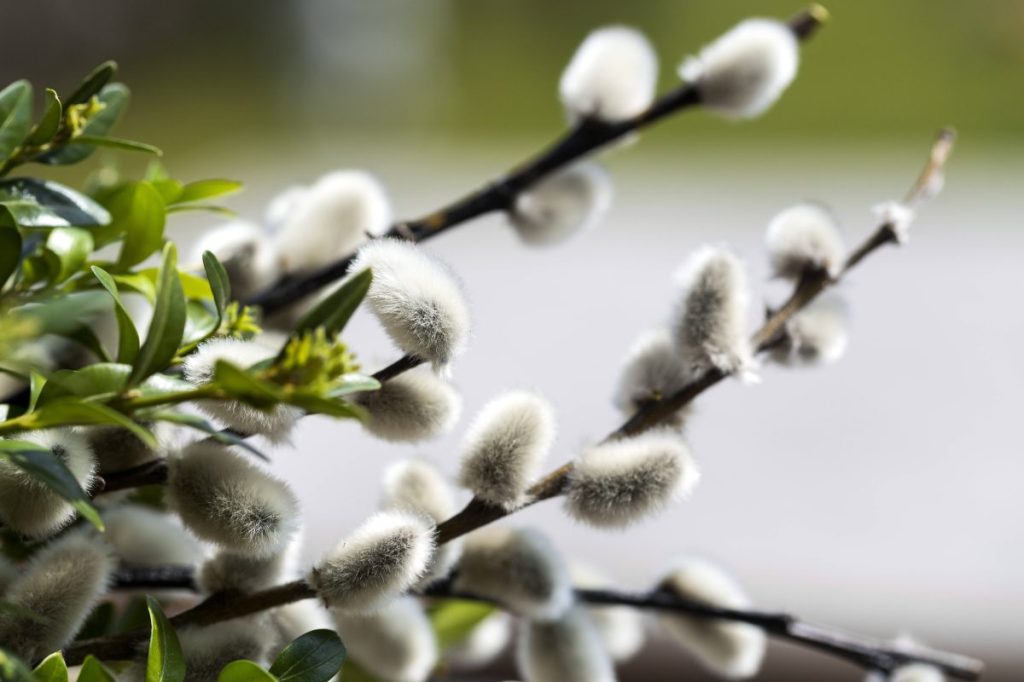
column 881, row 494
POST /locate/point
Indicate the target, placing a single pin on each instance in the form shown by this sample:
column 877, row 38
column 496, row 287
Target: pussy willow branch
column 863, row 651
column 477, row 514
column 500, row 195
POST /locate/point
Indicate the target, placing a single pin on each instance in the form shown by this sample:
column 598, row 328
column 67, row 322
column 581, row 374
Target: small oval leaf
column 314, row 657
column 165, row 662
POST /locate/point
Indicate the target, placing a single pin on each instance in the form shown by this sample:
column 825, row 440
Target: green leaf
column 208, row 208
column 45, row 203
column 10, row 246
column 244, row 671
column 41, row 464
column 206, row 189
column 128, row 336
column 220, row 285
column 114, row 97
column 118, row 143
column 94, row 671
column 12, row 669
column 314, row 657
column 140, row 283
column 78, row 412
column 37, row 382
column 199, row 424
column 86, row 337
column 165, row 662
column 73, row 246
column 242, row 385
column 169, row 188
column 352, row 383
column 49, row 124
column 100, row 622
column 65, row 313
column 200, row 323
column 333, row 312
column 140, row 209
column 353, row 672
column 195, row 288
column 319, row 405
column 52, row 669
column 454, row 619
column 15, row 116
column 96, row 379
column 93, row 83
column 168, row 323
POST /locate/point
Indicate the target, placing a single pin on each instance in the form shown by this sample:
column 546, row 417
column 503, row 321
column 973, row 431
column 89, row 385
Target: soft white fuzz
column 283, row 206
column 815, row 335
column 730, row 649
column 145, row 537
column 208, row 649
column 652, row 370
column 227, row 570
column 32, row 508
column 616, row 483
column 611, row 77
column 8, row 573
column 245, row 251
column 331, row 220
column 275, row 424
column 483, row 645
column 563, row 204
column 61, row 583
column 396, row 643
column 225, row 499
column 506, row 445
column 565, row 650
column 518, row 567
column 291, row 621
column 916, row 672
column 621, row 627
column 804, row 238
column 412, row 407
column 709, row 321
column 382, row 558
column 117, row 449
column 898, row 216
column 416, row 486
column 744, row 71
column 417, row 300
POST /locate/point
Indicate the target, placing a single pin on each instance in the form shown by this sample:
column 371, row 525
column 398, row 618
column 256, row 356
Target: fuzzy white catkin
column 621, row 627
column 8, row 573
column 275, row 424
column 483, row 644
column 804, row 238
column 32, row 508
column 60, row 584
column 614, row 484
column 560, row 205
column 331, row 219
column 565, row 650
column 815, row 335
column 743, row 72
column 145, row 537
column 208, row 649
column 396, row 643
column 611, row 77
column 709, row 319
column 117, row 448
column 506, row 445
column 416, row 486
column 382, row 558
column 916, row 672
column 730, row 649
column 227, row 570
column 410, row 408
column 518, row 567
column 225, row 499
column 249, row 258
column 291, row 621
column 416, row 299
column 282, row 206
column 652, row 370
column 898, row 216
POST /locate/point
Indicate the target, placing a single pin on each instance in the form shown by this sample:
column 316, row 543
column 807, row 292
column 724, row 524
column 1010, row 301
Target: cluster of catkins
column 248, row 521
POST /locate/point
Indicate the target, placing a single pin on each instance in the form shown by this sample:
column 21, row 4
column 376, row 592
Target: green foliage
column 244, row 671
column 44, row 466
column 454, row 619
column 94, row 671
column 12, row 669
column 52, row 669
column 168, row 322
column 333, row 313
column 314, row 657
column 165, row 662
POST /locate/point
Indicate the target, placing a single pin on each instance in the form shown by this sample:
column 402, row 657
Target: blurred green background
column 470, row 71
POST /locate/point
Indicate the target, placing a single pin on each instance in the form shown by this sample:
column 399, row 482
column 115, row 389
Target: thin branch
column 500, row 195
column 868, row 653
